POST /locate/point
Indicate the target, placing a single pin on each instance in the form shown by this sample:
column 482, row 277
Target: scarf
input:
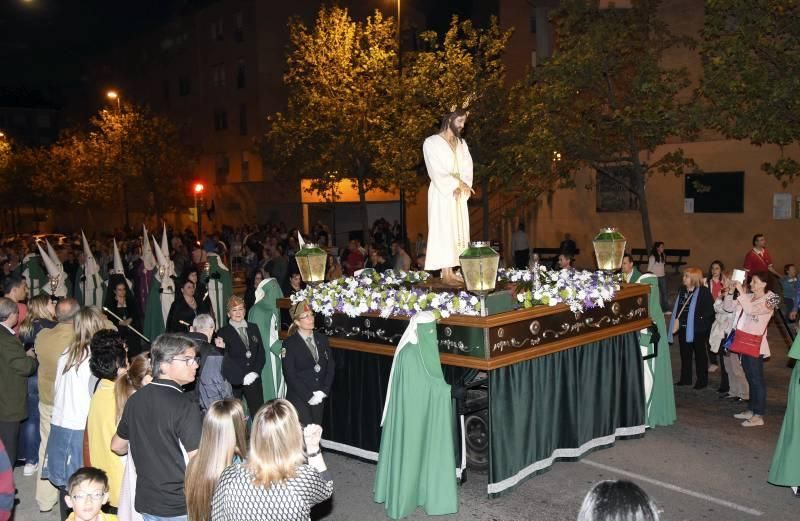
column 689, row 320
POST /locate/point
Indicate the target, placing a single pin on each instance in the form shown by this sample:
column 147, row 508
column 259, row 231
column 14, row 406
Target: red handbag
column 746, row 344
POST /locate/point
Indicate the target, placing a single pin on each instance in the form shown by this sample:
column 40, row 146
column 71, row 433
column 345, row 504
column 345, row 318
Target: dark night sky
column 45, row 42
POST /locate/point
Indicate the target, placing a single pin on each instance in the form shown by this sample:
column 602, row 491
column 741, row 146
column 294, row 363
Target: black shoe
column 723, row 390
column 700, row 386
column 683, row 383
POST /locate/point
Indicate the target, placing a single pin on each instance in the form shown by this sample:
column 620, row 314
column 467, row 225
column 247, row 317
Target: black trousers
column 308, row 414
column 252, row 394
column 521, row 258
column 696, row 350
column 9, row 433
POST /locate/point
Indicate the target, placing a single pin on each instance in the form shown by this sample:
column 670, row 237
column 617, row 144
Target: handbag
column 746, row 344
column 676, row 324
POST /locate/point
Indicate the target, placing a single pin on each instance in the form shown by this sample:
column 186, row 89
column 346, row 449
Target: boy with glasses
column 87, row 492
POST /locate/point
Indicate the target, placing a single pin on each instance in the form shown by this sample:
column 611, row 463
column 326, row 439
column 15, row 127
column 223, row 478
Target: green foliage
column 605, row 96
column 751, row 69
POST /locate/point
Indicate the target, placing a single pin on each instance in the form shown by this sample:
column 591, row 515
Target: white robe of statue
column 448, row 217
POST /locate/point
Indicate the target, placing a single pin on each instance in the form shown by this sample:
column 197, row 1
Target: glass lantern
column 311, row 262
column 479, row 264
column 609, row 248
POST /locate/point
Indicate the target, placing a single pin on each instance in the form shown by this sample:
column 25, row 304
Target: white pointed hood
column 300, row 241
column 90, row 266
column 53, row 255
column 165, row 263
column 165, row 242
column 54, row 274
column 147, row 251
column 119, row 268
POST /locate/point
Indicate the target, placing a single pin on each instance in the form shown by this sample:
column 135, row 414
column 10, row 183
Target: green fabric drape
column 562, row 405
column 154, row 323
column 785, row 468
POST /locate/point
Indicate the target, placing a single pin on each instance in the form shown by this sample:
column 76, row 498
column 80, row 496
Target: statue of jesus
column 449, row 166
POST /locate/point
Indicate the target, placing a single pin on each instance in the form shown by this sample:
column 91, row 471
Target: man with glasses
column 162, row 427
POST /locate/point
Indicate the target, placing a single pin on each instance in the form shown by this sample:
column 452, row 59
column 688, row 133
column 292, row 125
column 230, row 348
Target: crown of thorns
column 464, row 104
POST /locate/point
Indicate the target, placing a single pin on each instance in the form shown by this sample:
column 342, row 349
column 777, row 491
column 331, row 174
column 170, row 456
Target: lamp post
column 198, row 190
column 114, row 96
column 479, row 263
column 403, row 230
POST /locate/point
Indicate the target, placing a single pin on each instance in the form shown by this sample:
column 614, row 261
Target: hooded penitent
column 162, row 294
column 56, row 278
column 34, row 274
column 89, row 286
column 266, row 315
column 148, row 257
column 143, row 271
column 418, row 425
column 220, row 288
column 119, row 267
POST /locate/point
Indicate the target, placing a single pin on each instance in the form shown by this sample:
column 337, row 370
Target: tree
column 751, row 74
column 343, row 81
column 608, row 98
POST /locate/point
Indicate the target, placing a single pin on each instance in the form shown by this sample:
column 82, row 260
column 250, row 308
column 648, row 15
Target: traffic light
column 199, row 188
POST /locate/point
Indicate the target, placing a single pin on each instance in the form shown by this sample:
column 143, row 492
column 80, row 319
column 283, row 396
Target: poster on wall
column 782, row 205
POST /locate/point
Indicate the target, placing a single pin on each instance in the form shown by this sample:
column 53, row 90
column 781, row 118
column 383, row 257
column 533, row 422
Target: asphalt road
column 704, row 467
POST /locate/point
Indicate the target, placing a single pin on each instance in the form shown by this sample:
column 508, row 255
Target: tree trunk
column 362, row 203
column 485, row 200
column 641, row 193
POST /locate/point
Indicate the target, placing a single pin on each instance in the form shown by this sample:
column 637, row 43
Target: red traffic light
column 199, row 188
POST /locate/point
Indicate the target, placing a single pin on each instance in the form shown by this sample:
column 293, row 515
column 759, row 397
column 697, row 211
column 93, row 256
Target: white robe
column 448, row 218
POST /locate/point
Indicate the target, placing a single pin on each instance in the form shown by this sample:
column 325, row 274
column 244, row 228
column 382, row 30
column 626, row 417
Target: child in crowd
column 87, row 492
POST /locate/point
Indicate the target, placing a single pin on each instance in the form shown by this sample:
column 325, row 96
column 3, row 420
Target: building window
column 223, row 167
column 217, row 31
column 220, row 120
column 612, row 194
column 243, row 120
column 238, row 34
column 240, row 75
column 717, row 192
column 533, row 24
column 245, row 166
column 183, row 87
column 218, row 75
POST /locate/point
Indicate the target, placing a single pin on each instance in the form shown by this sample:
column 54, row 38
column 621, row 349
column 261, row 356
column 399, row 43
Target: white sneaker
column 30, row 469
column 755, row 421
column 713, row 368
column 746, row 415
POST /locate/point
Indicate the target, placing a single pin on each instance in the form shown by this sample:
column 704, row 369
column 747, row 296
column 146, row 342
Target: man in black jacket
column 244, row 355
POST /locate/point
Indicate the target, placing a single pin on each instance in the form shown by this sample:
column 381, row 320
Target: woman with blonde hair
column 691, row 321
column 279, row 481
column 41, row 315
column 139, row 374
column 223, row 442
column 73, row 393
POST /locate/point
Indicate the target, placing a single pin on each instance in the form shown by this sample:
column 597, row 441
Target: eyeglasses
column 188, row 361
column 94, row 497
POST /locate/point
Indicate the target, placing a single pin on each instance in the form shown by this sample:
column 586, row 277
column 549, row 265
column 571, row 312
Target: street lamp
column 198, row 189
column 112, row 95
column 479, row 263
column 311, row 263
column 609, row 248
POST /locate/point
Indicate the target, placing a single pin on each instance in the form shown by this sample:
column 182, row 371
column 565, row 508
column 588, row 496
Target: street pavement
column 704, row 467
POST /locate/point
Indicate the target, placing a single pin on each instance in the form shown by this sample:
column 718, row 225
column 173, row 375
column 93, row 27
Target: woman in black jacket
column 692, row 318
column 185, row 308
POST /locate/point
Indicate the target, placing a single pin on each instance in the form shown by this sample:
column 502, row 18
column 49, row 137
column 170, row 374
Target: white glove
column 320, row 395
column 315, row 400
column 249, row 378
column 312, row 434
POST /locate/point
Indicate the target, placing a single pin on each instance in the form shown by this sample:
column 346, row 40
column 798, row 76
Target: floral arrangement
column 388, row 293
column 578, row 289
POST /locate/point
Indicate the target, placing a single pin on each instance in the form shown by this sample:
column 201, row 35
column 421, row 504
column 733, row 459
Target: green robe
column 34, row 274
column 785, row 468
column 154, row 322
column 266, row 315
column 659, row 391
column 220, row 289
column 416, row 462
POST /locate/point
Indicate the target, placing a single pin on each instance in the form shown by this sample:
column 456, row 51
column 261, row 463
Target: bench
column 674, row 257
column 549, row 256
